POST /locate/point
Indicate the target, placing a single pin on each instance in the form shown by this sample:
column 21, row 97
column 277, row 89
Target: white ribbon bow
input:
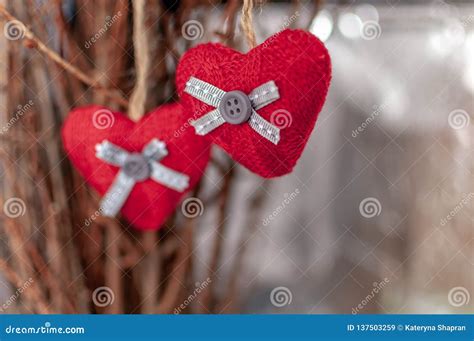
column 212, row 95
column 136, row 167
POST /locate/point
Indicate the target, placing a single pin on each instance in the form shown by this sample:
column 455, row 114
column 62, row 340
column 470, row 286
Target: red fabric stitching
column 300, row 66
column 149, row 203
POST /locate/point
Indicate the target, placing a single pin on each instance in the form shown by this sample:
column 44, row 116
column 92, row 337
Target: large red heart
column 149, row 203
column 300, row 66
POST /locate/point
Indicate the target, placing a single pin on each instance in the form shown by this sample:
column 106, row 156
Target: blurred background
column 378, row 216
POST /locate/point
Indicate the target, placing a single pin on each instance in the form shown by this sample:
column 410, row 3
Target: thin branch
column 230, row 13
column 32, row 293
column 113, row 272
column 35, row 42
column 176, row 278
column 151, row 266
column 208, row 300
column 250, row 225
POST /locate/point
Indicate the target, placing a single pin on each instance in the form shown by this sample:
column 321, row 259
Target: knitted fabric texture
column 299, row 64
column 149, row 203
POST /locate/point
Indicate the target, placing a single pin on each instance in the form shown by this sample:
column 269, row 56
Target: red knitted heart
column 149, row 203
column 300, row 66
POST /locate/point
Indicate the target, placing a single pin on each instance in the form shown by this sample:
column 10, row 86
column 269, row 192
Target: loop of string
column 137, row 105
column 247, row 23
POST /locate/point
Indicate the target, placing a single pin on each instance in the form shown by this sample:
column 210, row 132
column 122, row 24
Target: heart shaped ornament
column 260, row 107
column 143, row 168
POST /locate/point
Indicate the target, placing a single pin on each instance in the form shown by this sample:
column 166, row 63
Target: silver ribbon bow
column 212, row 95
column 136, row 167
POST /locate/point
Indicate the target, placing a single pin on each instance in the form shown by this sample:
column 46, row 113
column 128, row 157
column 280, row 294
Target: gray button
column 235, row 107
column 136, row 166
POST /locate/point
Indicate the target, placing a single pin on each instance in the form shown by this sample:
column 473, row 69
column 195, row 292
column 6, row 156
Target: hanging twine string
column 137, row 105
column 247, row 23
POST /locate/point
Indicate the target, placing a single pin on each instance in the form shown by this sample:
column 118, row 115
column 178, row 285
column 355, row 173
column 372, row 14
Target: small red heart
column 300, row 66
column 149, row 203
